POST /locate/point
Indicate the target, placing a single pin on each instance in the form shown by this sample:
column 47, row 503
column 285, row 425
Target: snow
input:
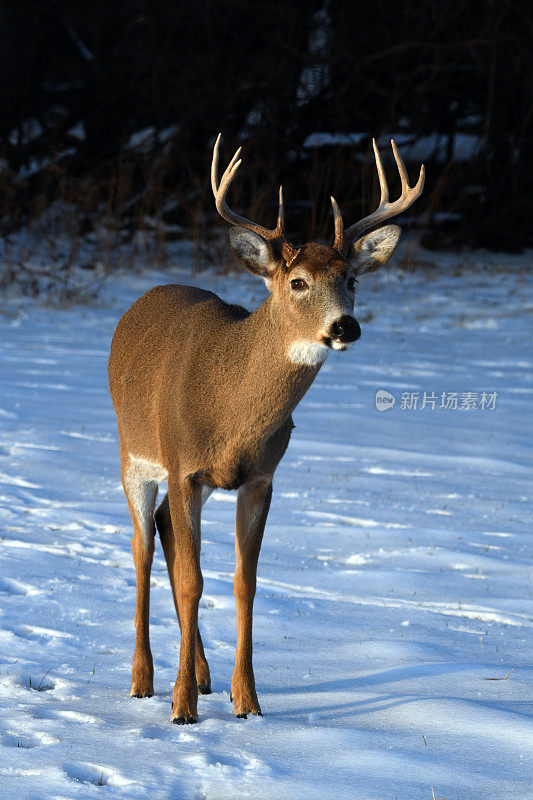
column 325, row 139
column 393, row 612
column 77, row 131
column 432, row 146
column 141, row 139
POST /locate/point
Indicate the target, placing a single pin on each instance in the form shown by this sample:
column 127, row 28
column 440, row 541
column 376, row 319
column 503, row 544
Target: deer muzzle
column 344, row 330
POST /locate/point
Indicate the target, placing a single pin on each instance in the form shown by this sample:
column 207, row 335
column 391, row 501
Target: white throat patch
column 308, row 353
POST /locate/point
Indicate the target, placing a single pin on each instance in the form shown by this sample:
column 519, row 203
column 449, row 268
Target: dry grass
column 63, row 235
column 501, row 679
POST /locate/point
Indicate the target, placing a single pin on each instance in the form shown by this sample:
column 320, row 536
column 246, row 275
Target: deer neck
column 272, row 382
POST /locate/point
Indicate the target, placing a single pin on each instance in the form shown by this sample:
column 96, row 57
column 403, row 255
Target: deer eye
column 299, row 285
column 350, row 283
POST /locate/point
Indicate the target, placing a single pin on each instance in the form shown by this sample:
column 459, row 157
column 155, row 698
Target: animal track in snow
column 12, row 685
column 214, row 765
column 26, row 740
column 159, row 732
column 35, row 633
column 36, row 546
column 12, row 586
column 95, row 774
column 14, row 480
column 359, row 522
column 76, row 716
column 44, row 712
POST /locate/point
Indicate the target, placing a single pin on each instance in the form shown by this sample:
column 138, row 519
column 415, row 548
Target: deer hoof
column 244, row 714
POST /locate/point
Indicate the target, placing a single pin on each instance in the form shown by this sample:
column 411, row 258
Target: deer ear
column 373, row 250
column 255, row 253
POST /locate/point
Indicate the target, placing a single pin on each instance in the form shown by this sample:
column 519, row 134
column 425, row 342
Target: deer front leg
column 253, row 503
column 185, row 507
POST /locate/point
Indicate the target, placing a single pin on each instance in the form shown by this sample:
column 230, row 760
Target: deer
column 204, row 393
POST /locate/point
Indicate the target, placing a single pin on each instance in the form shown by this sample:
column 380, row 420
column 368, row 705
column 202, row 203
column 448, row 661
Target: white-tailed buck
column 204, row 393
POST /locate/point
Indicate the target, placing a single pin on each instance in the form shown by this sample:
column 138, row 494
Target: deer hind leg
column 164, row 526
column 253, row 503
column 141, row 492
column 185, row 504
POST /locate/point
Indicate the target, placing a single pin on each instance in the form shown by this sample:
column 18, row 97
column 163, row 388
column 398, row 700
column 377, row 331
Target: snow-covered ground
column 393, row 635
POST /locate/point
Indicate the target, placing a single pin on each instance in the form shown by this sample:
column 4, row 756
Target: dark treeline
column 113, row 105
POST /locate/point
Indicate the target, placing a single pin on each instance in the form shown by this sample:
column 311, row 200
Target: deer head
column 313, row 286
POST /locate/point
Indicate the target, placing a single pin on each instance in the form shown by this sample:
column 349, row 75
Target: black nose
column 345, row 329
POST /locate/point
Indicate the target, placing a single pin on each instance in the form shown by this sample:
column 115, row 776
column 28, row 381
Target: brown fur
column 320, row 259
column 205, row 391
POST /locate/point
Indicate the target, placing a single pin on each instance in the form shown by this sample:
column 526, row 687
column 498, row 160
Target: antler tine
column 401, row 167
column 280, row 227
column 387, row 210
column 220, row 190
column 214, row 165
column 381, row 175
column 415, row 190
column 229, row 174
column 339, row 225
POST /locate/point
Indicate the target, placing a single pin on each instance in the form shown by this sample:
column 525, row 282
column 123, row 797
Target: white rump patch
column 141, row 481
column 309, row 353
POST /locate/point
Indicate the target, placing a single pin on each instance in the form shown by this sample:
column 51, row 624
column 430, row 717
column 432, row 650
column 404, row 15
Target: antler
column 339, row 225
column 220, row 190
column 385, row 210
